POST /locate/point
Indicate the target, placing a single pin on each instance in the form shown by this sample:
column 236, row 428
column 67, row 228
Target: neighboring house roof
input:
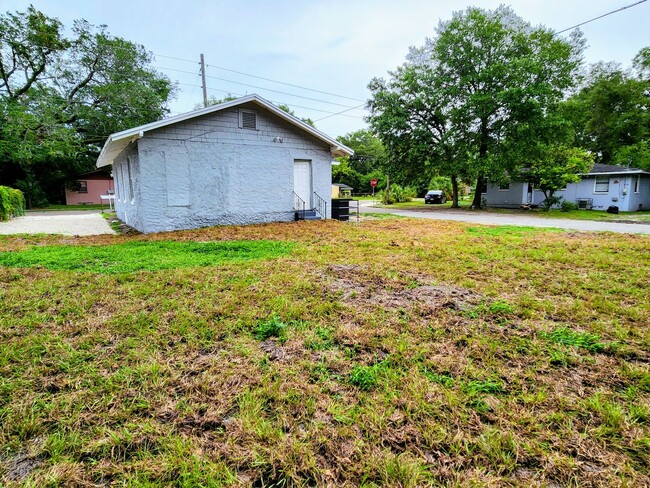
column 116, row 143
column 611, row 169
column 343, row 186
column 98, row 174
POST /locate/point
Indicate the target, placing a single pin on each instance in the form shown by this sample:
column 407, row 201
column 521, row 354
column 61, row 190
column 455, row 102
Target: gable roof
column 600, row 169
column 116, row 143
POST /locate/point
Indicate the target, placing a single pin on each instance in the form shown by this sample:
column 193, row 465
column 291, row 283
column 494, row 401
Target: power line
column 601, row 16
column 259, row 87
column 284, row 83
column 339, row 113
column 291, row 105
column 281, row 92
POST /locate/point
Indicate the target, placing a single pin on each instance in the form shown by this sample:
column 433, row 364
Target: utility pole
column 204, row 86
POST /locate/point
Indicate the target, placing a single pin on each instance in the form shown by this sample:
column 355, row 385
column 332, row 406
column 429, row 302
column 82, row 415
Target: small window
column 637, row 184
column 248, row 120
column 83, row 187
column 504, row 187
column 602, row 184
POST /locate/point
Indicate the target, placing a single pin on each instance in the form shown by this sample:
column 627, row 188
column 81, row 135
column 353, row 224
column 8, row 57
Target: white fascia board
column 107, row 154
column 620, row 173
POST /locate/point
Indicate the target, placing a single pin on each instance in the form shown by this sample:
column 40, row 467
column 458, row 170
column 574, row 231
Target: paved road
column 69, row 223
column 511, row 219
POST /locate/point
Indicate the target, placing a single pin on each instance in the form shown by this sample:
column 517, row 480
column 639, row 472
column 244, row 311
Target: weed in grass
column 366, row 377
column 567, row 337
column 323, row 339
column 135, row 256
column 445, row 378
column 473, row 388
column 271, row 327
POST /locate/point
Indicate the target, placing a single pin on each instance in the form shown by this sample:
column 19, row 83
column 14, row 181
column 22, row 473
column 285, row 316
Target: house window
column 123, row 178
column 247, row 120
column 128, row 169
column 83, row 187
column 602, row 184
column 637, row 184
column 504, row 187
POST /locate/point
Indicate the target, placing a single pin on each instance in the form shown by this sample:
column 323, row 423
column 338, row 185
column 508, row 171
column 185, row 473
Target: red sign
column 373, row 182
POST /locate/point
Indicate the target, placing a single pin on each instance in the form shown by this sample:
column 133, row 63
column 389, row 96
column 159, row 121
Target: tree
column 306, row 120
column 466, row 91
column 366, row 163
column 556, row 167
column 612, row 113
column 60, row 97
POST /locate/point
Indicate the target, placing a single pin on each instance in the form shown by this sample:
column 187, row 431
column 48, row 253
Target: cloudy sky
column 331, row 46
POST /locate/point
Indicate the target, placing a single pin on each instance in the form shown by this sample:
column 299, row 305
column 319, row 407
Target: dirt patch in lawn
column 357, row 286
column 19, row 466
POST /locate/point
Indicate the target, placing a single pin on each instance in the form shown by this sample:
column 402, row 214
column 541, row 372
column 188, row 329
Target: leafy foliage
column 12, row 203
column 397, row 194
column 466, row 103
column 60, row 97
column 611, row 113
column 271, row 327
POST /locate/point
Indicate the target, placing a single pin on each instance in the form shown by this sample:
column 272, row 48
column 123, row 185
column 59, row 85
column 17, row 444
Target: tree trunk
column 454, row 192
column 477, row 192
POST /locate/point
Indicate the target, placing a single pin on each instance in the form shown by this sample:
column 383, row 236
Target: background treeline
column 62, row 93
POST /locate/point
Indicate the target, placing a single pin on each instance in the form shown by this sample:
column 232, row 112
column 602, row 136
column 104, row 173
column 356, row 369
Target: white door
column 302, row 181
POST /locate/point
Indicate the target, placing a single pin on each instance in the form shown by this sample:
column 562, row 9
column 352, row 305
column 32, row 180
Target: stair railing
column 321, row 205
column 299, row 206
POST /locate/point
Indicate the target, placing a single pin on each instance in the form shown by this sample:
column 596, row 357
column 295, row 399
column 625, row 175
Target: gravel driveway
column 510, row 219
column 69, row 223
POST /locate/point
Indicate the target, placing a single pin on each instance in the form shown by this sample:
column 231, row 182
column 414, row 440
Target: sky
column 332, row 46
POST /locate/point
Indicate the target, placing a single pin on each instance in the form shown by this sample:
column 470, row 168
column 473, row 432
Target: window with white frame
column 504, row 187
column 637, row 184
column 601, row 185
column 83, row 186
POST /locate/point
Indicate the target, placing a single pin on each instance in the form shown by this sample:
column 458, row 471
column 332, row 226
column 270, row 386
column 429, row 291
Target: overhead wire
column 601, row 16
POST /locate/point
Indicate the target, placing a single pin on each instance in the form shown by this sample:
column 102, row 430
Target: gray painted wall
column 209, row 171
column 621, row 193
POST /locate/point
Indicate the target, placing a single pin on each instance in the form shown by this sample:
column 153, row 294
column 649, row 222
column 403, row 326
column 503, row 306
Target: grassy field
column 395, row 352
column 639, row 217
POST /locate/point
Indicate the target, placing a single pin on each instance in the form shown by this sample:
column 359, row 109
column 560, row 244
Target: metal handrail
column 299, row 206
column 321, row 205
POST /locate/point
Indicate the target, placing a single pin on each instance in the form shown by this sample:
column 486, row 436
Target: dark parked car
column 435, row 196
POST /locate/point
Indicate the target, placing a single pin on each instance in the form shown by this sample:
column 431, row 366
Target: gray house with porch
column 240, row 162
column 604, row 186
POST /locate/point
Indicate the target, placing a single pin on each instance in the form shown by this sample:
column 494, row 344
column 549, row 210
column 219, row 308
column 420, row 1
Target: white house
column 240, row 162
column 604, row 186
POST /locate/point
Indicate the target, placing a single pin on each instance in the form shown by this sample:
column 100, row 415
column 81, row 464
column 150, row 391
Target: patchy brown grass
column 397, row 352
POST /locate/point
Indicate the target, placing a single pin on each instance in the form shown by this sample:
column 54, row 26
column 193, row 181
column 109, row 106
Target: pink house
column 88, row 187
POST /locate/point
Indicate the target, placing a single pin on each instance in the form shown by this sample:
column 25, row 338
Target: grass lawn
column 394, row 352
column 640, row 217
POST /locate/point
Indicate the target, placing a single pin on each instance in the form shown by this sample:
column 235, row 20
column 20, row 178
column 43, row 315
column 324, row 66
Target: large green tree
column 612, row 113
column 62, row 95
column 468, row 90
column 367, row 162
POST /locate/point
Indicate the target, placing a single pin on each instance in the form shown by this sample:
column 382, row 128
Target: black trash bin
column 341, row 208
column 613, row 209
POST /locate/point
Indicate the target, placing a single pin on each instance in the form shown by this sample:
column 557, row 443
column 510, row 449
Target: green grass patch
column 135, row 256
column 507, row 230
column 271, row 327
column 568, row 337
column 366, row 377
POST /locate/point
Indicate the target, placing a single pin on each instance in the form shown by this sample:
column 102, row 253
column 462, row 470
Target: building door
column 302, row 180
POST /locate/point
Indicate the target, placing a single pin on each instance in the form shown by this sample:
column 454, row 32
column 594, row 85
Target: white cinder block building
column 240, row 162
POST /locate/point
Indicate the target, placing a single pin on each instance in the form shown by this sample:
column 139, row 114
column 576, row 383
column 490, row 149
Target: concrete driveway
column 485, row 218
column 69, row 223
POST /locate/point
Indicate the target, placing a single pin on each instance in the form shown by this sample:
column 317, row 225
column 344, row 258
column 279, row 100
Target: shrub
column 398, row 194
column 550, row 202
column 12, row 203
column 567, row 206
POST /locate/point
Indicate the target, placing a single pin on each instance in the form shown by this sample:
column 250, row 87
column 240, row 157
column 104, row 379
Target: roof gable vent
column 248, row 120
